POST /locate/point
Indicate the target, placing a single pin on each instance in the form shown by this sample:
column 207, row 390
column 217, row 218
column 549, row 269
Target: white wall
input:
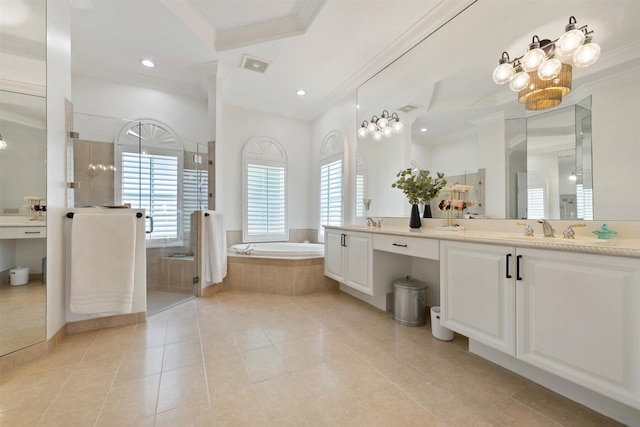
column 187, row 116
column 342, row 118
column 58, row 88
column 616, row 147
column 238, row 126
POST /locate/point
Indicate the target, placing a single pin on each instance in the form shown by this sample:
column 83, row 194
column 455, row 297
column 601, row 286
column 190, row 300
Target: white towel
column 102, row 263
column 215, row 248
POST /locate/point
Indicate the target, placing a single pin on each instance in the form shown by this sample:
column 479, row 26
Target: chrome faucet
column 373, row 223
column 547, row 229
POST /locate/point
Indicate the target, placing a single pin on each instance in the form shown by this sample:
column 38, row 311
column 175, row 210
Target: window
column 194, row 196
column 360, row 196
column 584, row 198
column 265, row 195
column 331, row 193
column 331, row 182
column 150, row 181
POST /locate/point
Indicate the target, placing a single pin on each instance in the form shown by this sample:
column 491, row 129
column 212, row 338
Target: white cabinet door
column 477, row 298
column 334, row 265
column 578, row 317
column 359, row 268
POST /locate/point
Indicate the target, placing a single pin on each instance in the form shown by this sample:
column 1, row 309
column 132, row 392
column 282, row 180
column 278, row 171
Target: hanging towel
column 102, row 263
column 215, row 248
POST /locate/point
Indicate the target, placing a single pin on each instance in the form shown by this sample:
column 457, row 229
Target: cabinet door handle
column 150, row 218
column 508, row 262
column 31, row 232
column 344, row 240
column 399, row 245
column 518, row 267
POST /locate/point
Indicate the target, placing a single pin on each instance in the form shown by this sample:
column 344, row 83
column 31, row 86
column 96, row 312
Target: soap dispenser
column 604, row 232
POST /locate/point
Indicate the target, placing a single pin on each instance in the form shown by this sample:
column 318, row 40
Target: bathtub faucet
column 246, row 251
column 373, row 223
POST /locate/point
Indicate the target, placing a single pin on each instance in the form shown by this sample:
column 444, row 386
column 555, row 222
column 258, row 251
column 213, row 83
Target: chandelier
column 542, row 76
column 385, row 125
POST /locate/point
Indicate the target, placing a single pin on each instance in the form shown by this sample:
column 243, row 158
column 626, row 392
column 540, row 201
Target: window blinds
column 331, row 193
column 265, row 202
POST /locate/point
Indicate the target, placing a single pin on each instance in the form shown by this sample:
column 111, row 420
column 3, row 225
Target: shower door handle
column 150, row 218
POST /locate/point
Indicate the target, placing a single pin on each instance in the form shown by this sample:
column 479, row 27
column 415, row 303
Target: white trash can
column 19, row 276
column 438, row 331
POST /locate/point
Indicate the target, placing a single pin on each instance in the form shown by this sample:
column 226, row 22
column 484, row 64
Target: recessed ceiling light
column 147, row 63
column 423, row 130
column 301, row 92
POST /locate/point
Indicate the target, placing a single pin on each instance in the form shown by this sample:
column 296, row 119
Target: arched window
column 331, row 180
column 149, row 157
column 265, row 216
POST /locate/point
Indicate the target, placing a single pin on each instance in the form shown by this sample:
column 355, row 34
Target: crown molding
column 193, row 19
column 429, row 23
column 23, row 87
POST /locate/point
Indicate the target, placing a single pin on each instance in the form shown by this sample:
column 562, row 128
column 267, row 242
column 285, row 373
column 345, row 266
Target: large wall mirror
column 23, row 130
column 574, row 161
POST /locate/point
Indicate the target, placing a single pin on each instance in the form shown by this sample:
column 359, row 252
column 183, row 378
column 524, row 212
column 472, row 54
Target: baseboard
column 106, row 322
column 209, row 291
column 28, row 354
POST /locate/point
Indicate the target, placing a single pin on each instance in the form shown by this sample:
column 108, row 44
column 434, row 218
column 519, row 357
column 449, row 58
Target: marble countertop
column 615, row 246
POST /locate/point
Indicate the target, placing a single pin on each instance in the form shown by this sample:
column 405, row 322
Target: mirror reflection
column 459, row 122
column 23, row 244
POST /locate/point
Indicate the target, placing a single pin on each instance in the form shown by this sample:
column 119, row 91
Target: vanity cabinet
column 477, row 293
column 574, row 315
column 348, row 259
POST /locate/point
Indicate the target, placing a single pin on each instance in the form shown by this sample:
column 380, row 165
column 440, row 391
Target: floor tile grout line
column 204, row 367
column 536, row 411
column 70, row 375
column 164, row 347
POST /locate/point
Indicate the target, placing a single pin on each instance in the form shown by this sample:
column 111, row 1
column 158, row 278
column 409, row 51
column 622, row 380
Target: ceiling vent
column 254, row 64
column 408, row 107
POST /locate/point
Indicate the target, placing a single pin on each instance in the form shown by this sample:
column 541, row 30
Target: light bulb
column 377, row 135
column 382, row 122
column 387, row 131
column 371, row 127
column 586, row 55
column 549, row 69
column 397, row 126
column 3, row 144
column 532, row 59
column 569, row 42
column 573, row 177
column 362, row 132
column 503, row 73
column 519, row 81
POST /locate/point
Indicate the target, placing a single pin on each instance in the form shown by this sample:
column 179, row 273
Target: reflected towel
column 102, row 263
column 215, row 248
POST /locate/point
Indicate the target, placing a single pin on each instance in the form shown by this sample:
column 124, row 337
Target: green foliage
column 419, row 186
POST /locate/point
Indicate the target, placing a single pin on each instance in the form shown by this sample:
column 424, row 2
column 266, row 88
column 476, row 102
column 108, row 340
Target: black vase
column 415, row 222
column 427, row 211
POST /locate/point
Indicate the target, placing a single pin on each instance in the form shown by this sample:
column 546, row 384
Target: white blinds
column 150, row 182
column 584, row 198
column 265, row 202
column 194, row 195
column 535, row 203
column 360, row 195
column 331, row 193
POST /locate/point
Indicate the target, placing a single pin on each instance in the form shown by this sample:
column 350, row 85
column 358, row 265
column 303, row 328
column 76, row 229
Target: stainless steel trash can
column 409, row 297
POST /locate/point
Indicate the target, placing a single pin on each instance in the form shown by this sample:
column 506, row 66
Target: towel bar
column 70, row 215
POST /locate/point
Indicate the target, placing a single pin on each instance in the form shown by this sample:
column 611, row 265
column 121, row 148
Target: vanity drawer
column 411, row 246
column 22, row 232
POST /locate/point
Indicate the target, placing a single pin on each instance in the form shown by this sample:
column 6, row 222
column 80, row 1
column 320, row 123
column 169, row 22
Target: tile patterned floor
column 267, row 360
column 23, row 311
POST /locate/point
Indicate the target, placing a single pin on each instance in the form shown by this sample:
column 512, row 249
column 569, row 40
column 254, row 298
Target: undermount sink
column 578, row 240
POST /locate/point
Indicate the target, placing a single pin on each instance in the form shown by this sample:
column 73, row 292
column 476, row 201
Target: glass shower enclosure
column 118, row 163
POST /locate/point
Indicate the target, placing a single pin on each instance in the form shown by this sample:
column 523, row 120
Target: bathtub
column 279, row 250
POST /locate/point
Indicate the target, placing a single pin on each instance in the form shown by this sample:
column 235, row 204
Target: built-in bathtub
column 279, row 250
column 278, row 268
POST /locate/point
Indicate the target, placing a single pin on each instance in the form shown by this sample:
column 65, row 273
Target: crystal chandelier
column 542, row 76
column 385, row 125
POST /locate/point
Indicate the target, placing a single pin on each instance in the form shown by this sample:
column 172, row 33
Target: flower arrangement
column 419, row 186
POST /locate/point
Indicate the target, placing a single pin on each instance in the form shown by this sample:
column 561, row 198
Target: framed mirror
column 459, row 122
column 23, row 148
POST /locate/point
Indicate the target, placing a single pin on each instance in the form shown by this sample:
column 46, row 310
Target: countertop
column 615, row 246
column 21, row 221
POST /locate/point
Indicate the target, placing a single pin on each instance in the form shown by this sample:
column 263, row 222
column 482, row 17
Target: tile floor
column 22, row 315
column 257, row 359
